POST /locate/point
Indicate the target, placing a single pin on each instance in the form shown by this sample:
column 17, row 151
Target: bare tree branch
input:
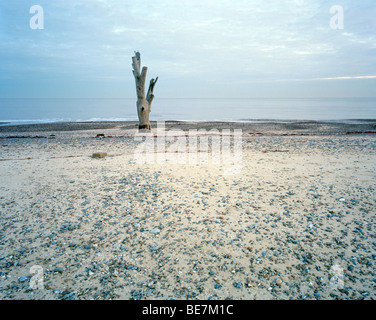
column 150, row 95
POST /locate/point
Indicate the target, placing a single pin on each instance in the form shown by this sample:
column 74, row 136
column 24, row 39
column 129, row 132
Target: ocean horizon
column 34, row 111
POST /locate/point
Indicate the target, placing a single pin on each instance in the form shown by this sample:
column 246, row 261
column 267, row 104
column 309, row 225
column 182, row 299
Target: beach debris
column 101, row 136
column 265, row 151
column 361, row 132
column 99, row 155
column 25, row 137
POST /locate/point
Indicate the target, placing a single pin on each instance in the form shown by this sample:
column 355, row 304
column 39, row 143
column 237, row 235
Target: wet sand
column 296, row 222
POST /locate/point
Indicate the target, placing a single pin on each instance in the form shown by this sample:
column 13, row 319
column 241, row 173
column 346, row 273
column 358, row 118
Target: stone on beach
column 99, row 155
column 155, row 231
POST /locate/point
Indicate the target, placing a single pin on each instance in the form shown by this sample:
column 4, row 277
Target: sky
column 197, row 48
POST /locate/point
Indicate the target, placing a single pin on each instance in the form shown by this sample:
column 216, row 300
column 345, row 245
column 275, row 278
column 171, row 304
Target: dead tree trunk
column 143, row 103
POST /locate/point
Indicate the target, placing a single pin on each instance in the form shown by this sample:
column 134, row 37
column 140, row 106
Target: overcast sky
column 198, row 48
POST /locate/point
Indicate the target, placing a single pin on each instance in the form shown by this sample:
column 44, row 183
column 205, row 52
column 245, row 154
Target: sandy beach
column 296, row 221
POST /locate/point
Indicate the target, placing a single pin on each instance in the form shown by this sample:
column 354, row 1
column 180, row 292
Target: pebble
column 155, row 231
column 58, row 269
column 23, row 278
column 70, row 296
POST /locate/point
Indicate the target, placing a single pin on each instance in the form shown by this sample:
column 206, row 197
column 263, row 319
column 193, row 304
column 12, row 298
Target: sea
column 36, row 111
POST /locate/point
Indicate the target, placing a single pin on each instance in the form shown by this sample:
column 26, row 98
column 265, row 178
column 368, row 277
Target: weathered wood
column 150, row 95
column 143, row 103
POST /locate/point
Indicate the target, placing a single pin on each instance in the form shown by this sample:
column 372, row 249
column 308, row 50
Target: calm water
column 18, row 111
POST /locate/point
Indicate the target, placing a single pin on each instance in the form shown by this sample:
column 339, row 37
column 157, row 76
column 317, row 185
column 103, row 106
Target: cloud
column 347, row 78
column 198, row 43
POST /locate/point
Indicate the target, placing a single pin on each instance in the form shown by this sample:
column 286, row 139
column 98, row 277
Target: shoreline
column 267, row 127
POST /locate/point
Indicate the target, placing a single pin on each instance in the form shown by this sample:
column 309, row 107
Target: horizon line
column 187, row 98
